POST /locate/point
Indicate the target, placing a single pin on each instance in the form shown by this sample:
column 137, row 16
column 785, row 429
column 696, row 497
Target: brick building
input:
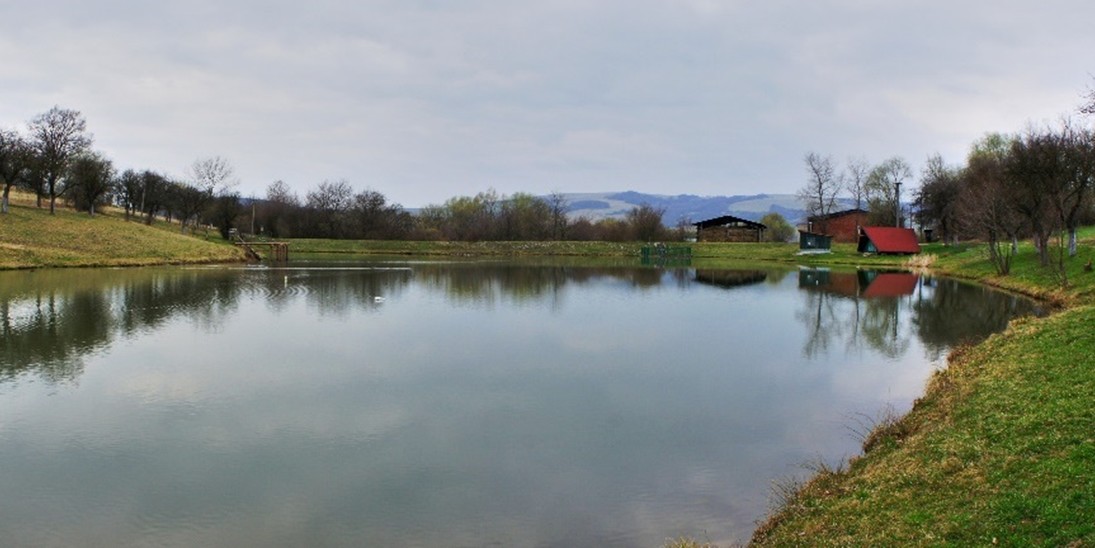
column 843, row 226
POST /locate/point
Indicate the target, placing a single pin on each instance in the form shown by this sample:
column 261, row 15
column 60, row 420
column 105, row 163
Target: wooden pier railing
column 276, row 251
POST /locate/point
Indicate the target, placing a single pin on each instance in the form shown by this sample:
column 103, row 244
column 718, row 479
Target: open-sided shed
column 729, row 229
column 888, row 240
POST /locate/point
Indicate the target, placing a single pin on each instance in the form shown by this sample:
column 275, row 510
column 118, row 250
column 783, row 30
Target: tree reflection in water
column 879, row 309
column 50, row 320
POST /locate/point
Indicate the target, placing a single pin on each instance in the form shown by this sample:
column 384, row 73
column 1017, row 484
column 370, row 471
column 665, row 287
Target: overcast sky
column 423, row 100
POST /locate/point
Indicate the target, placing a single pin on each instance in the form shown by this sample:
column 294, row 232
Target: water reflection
column 50, row 319
column 418, row 403
column 730, row 278
column 868, row 307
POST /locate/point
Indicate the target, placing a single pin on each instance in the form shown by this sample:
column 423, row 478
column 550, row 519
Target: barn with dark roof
column 729, row 229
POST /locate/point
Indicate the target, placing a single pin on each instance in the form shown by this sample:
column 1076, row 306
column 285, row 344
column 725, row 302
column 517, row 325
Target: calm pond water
column 400, row 403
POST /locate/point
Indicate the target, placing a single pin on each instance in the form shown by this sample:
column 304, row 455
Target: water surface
column 407, row 403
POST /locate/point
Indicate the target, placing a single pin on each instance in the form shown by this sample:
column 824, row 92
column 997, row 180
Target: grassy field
column 32, row 238
column 703, row 254
column 999, row 450
column 1027, row 275
column 461, row 249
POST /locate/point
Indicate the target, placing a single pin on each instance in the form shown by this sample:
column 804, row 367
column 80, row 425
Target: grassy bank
column 999, row 450
column 1027, row 275
column 32, row 238
column 466, row 249
column 703, row 254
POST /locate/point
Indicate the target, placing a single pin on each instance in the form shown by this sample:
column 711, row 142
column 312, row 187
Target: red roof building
column 892, row 284
column 888, row 240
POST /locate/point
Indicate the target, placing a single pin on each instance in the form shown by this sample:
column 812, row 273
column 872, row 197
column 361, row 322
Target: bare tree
column 524, row 217
column 824, row 184
column 1034, row 171
column 883, row 191
column 223, row 211
column 328, row 206
column 373, row 218
column 557, row 205
column 645, row 223
column 187, row 201
column 1088, row 106
column 206, row 179
column 987, row 199
column 58, row 136
column 15, row 158
column 684, row 230
column 129, row 192
column 91, row 177
column 855, row 180
column 937, row 199
column 280, row 214
column 212, row 175
column 279, row 192
column 1072, row 198
column 154, row 194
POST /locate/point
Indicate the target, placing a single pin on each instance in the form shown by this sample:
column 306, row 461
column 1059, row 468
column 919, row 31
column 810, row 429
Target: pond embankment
column 32, row 238
column 999, row 450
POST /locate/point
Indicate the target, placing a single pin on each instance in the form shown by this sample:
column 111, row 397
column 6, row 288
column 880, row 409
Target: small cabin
column 888, row 240
column 812, row 242
column 729, row 229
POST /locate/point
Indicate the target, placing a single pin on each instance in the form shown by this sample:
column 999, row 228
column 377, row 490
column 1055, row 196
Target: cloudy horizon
column 423, row 100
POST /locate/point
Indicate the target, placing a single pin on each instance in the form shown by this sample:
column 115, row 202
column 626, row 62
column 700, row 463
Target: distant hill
column 600, row 205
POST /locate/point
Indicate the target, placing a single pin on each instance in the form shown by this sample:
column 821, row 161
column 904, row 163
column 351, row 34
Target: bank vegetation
column 1000, row 450
column 32, row 238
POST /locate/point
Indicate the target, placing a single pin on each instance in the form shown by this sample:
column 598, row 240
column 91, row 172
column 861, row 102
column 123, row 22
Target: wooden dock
column 276, row 251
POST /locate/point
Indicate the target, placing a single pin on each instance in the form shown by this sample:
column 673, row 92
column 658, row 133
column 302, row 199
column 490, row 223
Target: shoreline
column 986, row 454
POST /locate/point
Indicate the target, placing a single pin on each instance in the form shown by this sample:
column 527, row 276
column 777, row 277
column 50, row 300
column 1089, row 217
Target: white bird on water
column 378, row 299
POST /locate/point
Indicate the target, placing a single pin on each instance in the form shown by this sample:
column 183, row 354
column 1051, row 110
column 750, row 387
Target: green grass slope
column 999, row 451
column 32, row 238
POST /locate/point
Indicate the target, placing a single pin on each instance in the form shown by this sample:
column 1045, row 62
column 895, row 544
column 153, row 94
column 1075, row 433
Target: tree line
column 334, row 210
column 54, row 159
column 1034, row 185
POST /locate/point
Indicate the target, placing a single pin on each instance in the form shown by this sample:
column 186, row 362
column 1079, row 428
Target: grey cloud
column 426, row 100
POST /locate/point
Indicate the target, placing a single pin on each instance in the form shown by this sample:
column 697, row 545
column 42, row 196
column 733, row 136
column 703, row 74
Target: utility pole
column 897, row 203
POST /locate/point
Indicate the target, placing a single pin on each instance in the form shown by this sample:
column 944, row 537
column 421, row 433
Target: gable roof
column 889, row 239
column 729, row 219
column 892, row 284
column 837, row 214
